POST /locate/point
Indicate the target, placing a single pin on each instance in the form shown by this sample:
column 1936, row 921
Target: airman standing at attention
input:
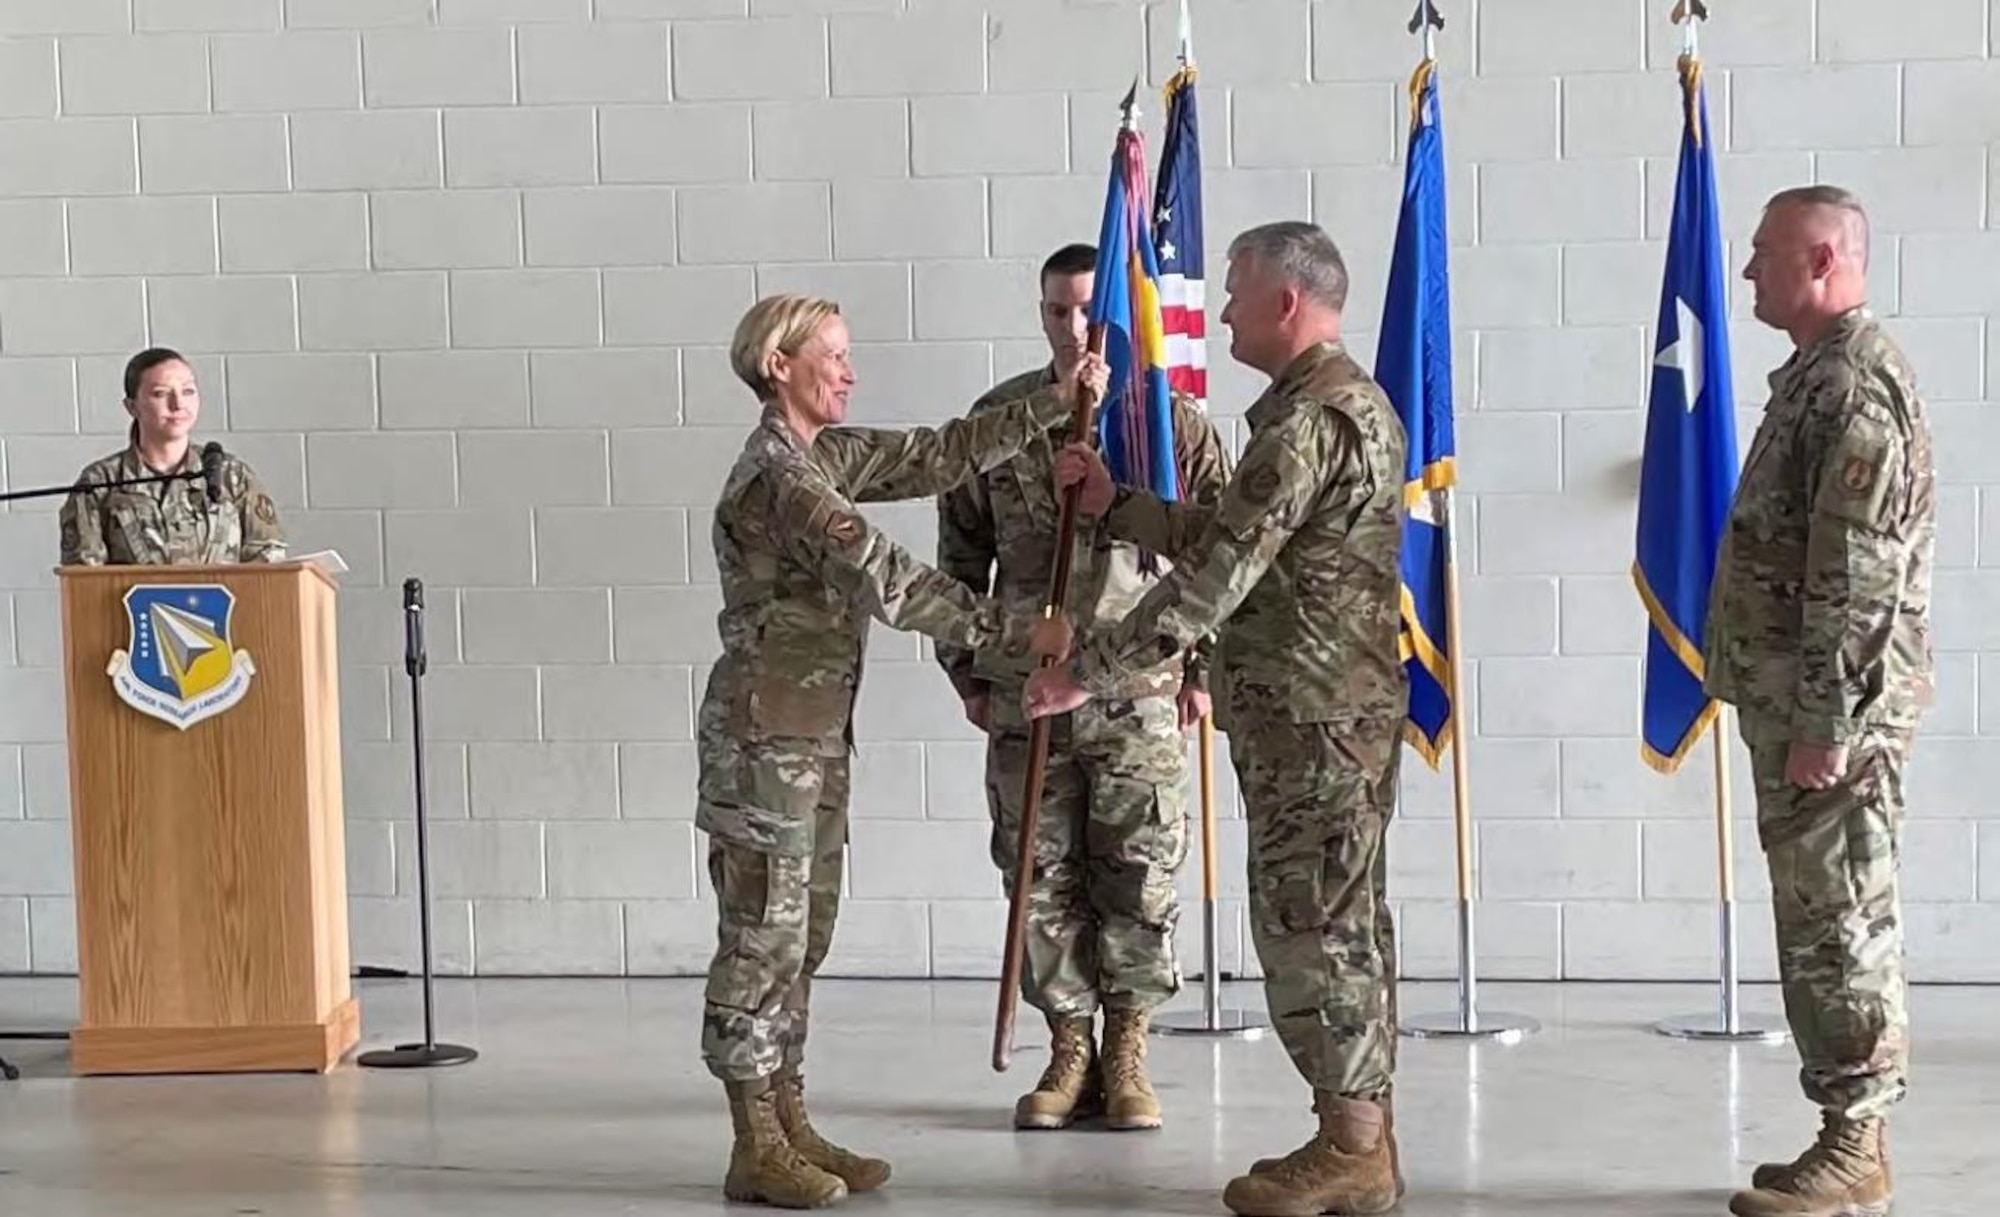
column 1819, row 633
column 1112, row 830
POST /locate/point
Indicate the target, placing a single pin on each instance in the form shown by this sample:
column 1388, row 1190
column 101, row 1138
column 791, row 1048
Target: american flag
column 1177, row 235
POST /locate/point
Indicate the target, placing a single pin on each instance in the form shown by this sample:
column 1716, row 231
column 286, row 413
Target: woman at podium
column 159, row 501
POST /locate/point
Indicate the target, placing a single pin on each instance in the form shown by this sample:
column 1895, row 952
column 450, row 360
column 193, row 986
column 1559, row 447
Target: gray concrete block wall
column 459, row 276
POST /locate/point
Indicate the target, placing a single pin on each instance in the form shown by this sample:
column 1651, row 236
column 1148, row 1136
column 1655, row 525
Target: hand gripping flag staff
column 1177, row 239
column 1413, row 366
column 1686, row 482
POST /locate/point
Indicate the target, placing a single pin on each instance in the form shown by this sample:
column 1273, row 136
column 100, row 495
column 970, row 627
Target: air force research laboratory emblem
column 181, row 667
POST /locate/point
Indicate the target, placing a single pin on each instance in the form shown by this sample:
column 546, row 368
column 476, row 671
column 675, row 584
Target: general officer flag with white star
column 1689, row 468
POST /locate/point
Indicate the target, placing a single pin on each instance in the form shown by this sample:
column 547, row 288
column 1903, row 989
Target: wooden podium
column 211, row 880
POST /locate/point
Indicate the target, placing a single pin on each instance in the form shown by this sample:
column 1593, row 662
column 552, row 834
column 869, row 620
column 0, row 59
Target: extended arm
column 827, row 534
column 1270, row 497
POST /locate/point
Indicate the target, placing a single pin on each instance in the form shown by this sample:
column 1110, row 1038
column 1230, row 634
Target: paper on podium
column 326, row 559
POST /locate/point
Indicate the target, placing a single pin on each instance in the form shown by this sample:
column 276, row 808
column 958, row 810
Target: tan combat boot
column 1388, row 1105
column 1343, row 1169
column 1071, row 1088
column 1777, row 1174
column 763, row 1166
column 858, row 1173
column 1846, row 1174
column 1129, row 1101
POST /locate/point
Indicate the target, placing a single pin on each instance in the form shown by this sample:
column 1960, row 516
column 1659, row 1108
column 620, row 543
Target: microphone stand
column 212, row 456
column 429, row 1052
column 46, row 492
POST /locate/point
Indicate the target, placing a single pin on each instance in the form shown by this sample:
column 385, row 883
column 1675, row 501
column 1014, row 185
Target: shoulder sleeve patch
column 1862, row 471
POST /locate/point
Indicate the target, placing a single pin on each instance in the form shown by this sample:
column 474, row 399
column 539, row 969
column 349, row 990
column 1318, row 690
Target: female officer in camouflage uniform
column 803, row 573
column 166, row 523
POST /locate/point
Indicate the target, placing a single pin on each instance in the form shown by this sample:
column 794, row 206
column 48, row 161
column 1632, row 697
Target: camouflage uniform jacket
column 803, row 572
column 1819, row 618
column 1299, row 564
column 1009, row 518
column 168, row 523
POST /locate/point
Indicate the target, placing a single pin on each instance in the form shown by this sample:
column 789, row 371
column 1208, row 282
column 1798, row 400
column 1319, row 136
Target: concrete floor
column 589, row 1098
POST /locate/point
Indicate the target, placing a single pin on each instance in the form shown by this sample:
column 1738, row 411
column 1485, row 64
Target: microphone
column 211, row 470
column 415, row 658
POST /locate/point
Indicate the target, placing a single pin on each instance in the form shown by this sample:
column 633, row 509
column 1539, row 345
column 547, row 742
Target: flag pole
column 1727, row 1025
column 1014, row 948
column 1213, row 1022
column 1466, row 1022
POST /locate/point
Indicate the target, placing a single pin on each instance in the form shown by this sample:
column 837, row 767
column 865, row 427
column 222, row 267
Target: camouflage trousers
column 777, row 896
column 1319, row 800
column 1833, row 857
column 1111, row 834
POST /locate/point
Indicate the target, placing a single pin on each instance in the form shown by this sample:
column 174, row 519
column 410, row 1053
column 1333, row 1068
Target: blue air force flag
column 1413, row 366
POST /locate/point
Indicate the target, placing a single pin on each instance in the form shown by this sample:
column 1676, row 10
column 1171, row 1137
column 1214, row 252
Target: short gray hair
column 1821, row 195
column 1835, row 198
column 1303, row 254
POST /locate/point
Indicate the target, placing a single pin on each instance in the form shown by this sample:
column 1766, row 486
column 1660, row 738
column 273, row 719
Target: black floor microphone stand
column 429, row 1052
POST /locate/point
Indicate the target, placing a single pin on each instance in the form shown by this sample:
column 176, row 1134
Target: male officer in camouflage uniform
column 1818, row 631
column 1298, row 566
column 1113, row 822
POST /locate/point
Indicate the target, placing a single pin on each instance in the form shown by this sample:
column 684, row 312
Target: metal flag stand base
column 1212, row 1021
column 1725, row 1026
column 429, row 1053
column 1467, row 1022
column 1705, row 1027
column 1216, row 1024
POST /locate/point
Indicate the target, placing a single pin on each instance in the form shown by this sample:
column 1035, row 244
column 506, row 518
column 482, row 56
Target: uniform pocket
column 803, row 706
column 761, row 927
column 761, row 796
